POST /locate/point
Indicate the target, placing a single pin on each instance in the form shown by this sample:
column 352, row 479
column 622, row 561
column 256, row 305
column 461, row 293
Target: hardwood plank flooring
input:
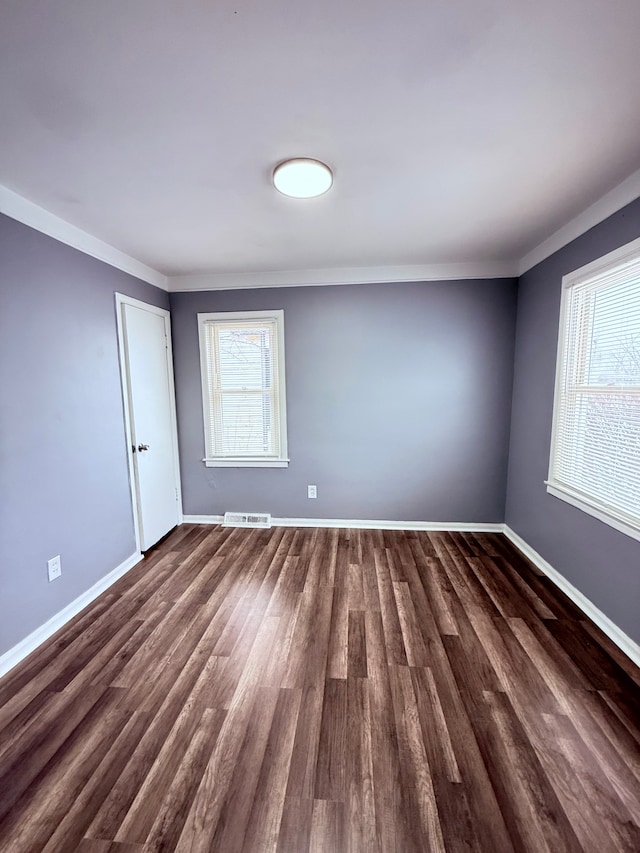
column 323, row 691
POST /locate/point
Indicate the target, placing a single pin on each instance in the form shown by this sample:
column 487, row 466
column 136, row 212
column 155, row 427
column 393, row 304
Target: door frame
column 122, row 300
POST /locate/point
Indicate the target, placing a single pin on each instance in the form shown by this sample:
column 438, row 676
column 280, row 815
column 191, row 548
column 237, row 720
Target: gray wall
column 399, row 400
column 63, row 466
column 601, row 562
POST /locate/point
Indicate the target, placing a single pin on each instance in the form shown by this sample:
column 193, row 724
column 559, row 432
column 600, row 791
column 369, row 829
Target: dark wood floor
column 326, row 691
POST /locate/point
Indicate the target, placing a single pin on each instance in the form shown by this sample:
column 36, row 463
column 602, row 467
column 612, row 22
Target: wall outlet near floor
column 54, row 568
column 312, row 491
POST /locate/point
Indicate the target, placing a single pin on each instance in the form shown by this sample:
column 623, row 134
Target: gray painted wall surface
column 601, row 562
column 399, row 399
column 63, row 466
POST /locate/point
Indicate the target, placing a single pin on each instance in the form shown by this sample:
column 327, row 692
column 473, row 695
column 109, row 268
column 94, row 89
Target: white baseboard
column 202, row 519
column 20, row 651
column 617, row 635
column 368, row 524
column 364, row 524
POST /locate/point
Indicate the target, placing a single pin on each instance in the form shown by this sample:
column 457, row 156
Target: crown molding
column 344, row 275
column 19, row 208
column 616, row 199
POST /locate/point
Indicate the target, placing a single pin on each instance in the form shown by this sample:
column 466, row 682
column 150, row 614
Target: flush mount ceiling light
column 302, row 178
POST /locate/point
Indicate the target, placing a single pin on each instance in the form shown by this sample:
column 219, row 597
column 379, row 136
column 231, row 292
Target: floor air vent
column 247, row 519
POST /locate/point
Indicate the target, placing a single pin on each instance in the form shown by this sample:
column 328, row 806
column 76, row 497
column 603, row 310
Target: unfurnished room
column 320, row 426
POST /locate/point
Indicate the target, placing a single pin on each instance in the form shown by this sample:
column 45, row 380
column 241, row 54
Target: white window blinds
column 595, row 454
column 243, row 391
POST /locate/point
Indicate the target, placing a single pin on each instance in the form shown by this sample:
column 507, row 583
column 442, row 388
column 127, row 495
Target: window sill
column 606, row 516
column 246, row 463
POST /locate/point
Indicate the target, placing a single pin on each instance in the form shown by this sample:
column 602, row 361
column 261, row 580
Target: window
column 243, row 389
column 595, row 446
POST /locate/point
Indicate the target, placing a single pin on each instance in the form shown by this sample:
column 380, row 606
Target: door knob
column 142, row 447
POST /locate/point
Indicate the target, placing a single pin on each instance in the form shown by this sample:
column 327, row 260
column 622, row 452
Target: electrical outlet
column 54, row 568
column 312, row 491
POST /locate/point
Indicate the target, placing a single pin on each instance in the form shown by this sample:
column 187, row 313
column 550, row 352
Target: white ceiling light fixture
column 302, row 177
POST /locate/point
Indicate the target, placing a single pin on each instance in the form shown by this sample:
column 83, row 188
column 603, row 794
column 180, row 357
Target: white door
column 151, row 415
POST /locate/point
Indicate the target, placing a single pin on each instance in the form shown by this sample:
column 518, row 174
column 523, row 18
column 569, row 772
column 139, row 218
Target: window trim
column 281, row 461
column 618, row 520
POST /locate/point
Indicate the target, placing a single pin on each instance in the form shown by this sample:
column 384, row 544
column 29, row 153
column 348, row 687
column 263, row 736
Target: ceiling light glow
column 302, row 178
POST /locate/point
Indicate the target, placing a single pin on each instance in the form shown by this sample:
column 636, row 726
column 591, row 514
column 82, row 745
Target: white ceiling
column 460, row 131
